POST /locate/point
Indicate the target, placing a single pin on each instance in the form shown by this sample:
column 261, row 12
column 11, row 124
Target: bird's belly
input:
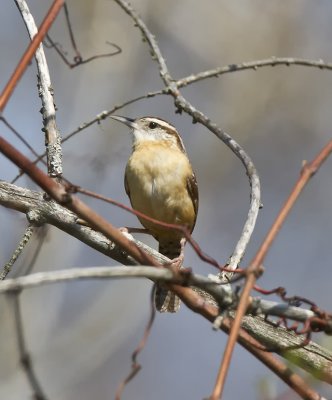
column 159, row 190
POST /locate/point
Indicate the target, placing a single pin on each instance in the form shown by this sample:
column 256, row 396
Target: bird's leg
column 178, row 261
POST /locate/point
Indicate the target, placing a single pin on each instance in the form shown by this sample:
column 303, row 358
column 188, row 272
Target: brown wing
column 193, row 193
column 126, row 186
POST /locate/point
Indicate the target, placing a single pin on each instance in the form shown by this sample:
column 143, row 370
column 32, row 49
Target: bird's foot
column 127, row 229
column 82, row 222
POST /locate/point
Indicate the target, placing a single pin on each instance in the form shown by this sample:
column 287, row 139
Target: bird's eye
column 153, row 125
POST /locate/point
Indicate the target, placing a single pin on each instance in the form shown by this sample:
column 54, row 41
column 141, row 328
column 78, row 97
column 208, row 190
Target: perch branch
column 38, row 211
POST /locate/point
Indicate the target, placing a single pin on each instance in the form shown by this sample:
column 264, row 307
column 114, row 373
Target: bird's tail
column 165, row 300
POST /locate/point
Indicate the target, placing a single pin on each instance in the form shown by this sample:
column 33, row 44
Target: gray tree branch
column 313, row 358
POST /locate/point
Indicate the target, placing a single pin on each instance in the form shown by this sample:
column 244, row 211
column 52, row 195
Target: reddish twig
column 29, row 53
column 307, row 172
column 321, row 322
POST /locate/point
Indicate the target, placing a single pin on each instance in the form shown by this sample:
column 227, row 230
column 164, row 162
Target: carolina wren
column 160, row 183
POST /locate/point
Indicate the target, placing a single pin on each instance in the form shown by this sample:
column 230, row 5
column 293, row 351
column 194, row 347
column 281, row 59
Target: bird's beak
column 127, row 121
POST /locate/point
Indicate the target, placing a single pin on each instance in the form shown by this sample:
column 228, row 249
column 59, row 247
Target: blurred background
column 81, row 335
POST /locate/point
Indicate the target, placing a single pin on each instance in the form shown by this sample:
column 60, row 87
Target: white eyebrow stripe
column 162, row 123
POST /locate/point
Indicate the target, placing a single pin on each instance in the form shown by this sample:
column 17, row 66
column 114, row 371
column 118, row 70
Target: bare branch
column 135, row 367
column 45, row 91
column 41, row 278
column 20, row 247
column 25, row 357
column 254, row 65
column 223, row 295
column 78, row 59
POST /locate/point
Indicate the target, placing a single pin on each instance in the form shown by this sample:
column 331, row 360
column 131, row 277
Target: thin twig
column 307, row 172
column 45, row 91
column 254, row 65
column 40, row 237
column 78, row 59
column 25, row 358
column 29, row 53
column 135, row 368
column 20, row 247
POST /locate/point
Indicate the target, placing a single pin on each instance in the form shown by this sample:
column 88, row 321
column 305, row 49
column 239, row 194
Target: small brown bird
column 160, row 183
